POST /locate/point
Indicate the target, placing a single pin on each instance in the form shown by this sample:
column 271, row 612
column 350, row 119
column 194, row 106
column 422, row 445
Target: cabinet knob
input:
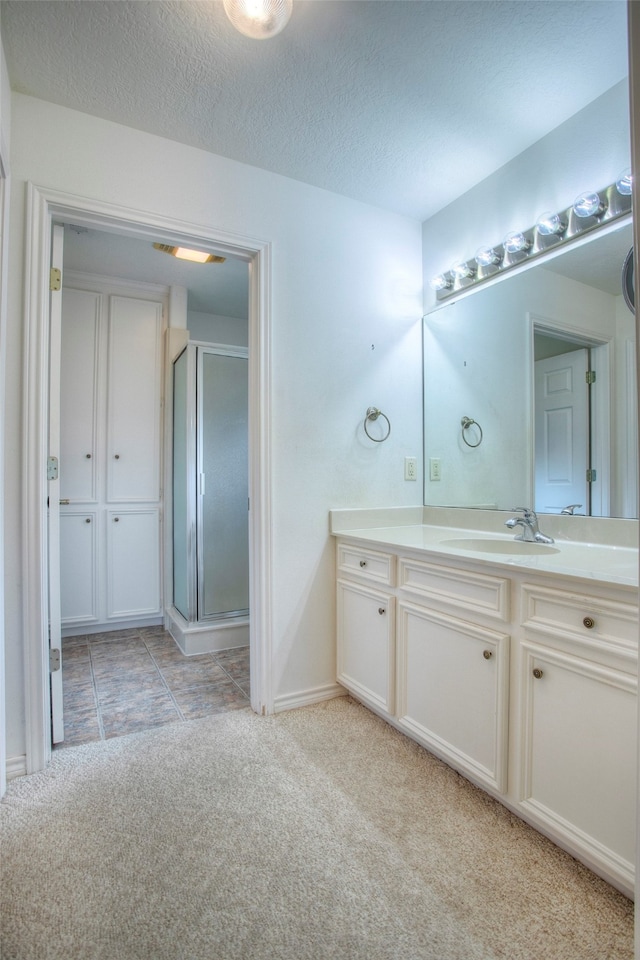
column 88, row 456
column 116, row 519
column 116, row 456
column 87, row 520
column 537, row 673
column 381, row 610
column 487, row 654
column 589, row 622
column 363, row 563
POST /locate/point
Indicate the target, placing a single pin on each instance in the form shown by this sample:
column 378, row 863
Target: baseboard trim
column 304, row 698
column 16, row 767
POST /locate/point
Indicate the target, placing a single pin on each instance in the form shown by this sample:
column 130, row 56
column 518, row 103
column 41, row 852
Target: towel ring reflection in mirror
column 372, row 415
column 467, row 422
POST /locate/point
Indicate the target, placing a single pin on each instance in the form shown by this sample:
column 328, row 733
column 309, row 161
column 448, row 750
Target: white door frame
column 44, row 206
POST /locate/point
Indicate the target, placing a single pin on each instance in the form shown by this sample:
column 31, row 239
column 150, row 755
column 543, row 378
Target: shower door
column 211, row 526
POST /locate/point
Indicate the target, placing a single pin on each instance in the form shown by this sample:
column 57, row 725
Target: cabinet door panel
column 78, row 584
column 133, row 563
column 365, row 644
column 133, row 403
column 453, row 690
column 81, row 317
column 579, row 752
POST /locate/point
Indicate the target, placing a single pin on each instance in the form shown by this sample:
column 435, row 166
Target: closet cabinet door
column 453, row 695
column 133, row 401
column 81, row 318
column 78, row 553
column 133, row 563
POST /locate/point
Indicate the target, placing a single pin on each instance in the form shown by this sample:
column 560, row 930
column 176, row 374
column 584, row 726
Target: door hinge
column 55, row 279
column 54, row 659
column 52, row 468
column 590, row 376
column 591, row 476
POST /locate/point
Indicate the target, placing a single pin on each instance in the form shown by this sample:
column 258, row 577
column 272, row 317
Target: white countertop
column 615, row 565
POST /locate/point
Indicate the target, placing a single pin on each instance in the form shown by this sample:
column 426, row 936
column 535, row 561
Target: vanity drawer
column 367, row 564
column 584, row 617
column 465, row 591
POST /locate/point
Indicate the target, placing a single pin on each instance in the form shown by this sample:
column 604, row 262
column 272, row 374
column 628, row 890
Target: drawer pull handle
column 381, row 610
column 487, row 654
column 589, row 622
column 363, row 563
column 537, row 673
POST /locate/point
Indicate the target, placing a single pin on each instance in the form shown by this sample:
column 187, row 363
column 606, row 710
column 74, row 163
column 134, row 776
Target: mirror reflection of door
column 562, row 427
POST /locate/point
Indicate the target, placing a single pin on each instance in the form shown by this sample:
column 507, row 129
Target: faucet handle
column 569, row 511
column 529, row 514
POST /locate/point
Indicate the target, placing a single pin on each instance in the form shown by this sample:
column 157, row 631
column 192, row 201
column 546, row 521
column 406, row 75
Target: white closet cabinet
column 110, row 455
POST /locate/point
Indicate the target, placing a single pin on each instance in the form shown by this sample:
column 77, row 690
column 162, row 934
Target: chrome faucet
column 529, row 523
column 570, row 510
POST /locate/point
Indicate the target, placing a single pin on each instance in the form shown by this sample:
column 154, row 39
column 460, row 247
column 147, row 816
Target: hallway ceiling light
column 184, row 253
column 258, row 19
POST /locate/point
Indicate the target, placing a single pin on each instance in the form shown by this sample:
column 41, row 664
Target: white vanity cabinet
column 366, row 626
column 577, row 719
column 525, row 684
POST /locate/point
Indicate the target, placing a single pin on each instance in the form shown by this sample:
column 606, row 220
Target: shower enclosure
column 210, row 499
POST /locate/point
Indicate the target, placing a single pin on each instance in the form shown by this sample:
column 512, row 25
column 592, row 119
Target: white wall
column 589, row 151
column 346, row 298
column 211, row 328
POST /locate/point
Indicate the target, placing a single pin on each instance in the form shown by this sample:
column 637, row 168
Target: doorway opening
column 570, row 418
column 45, row 208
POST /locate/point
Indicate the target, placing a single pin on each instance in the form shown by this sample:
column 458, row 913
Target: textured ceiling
column 405, row 104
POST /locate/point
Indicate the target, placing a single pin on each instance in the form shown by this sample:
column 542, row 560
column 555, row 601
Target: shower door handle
column 202, row 484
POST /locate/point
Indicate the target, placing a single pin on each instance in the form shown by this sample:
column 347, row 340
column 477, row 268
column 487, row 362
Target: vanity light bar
column 590, row 210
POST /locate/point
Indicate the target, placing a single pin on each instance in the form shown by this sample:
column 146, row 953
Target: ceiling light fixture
column 258, row 19
column 185, row 253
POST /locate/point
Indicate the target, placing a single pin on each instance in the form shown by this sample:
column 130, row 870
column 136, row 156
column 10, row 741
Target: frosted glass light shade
column 258, row 19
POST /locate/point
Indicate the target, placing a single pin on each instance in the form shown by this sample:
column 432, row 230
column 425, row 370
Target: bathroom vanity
column 514, row 663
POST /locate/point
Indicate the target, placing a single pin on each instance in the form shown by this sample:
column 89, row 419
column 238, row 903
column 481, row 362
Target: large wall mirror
column 543, row 363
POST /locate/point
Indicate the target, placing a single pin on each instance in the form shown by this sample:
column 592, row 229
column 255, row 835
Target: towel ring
column 467, row 422
column 372, row 414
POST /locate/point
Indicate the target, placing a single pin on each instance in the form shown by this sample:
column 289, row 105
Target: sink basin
column 510, row 547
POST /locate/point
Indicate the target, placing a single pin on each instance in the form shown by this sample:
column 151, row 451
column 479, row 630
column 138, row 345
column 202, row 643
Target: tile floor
column 132, row 680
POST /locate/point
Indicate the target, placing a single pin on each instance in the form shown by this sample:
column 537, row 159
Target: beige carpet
column 320, row 833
